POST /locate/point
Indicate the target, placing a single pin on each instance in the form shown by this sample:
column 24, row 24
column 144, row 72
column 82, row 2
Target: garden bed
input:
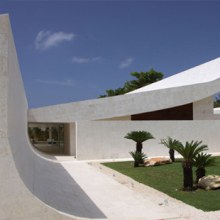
column 168, row 179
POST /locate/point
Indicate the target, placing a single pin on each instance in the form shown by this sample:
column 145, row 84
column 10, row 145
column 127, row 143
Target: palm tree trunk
column 171, row 152
column 200, row 172
column 136, row 163
column 139, row 147
column 187, row 176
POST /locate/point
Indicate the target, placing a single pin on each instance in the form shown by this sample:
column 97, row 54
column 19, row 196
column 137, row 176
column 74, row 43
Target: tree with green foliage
column 189, row 152
column 170, row 143
column 201, row 161
column 139, row 137
column 35, row 133
column 217, row 102
column 112, row 92
column 141, row 79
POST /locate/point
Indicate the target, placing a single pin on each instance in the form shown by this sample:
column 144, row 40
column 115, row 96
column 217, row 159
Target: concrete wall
column 34, row 187
column 124, row 118
column 124, row 105
column 99, row 139
column 186, row 87
column 203, row 109
column 17, row 202
column 72, row 138
column 31, row 186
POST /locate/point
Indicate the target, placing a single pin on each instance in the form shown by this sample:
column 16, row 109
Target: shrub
column 138, row 158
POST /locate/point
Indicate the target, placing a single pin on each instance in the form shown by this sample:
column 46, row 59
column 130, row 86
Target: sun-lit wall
column 30, row 183
column 203, row 109
column 105, row 139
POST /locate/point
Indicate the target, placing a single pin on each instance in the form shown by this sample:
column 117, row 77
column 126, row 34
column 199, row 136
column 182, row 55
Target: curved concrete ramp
column 19, row 203
column 53, row 193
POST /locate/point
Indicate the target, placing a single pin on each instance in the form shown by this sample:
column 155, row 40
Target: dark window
column 183, row 112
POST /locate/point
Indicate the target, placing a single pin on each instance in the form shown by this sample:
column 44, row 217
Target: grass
column 168, row 179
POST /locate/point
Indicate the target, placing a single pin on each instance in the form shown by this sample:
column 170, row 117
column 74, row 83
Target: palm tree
column 189, row 152
column 201, row 161
column 138, row 158
column 139, row 137
column 170, row 143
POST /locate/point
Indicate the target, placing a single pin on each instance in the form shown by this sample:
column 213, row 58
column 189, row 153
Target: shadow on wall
column 47, row 180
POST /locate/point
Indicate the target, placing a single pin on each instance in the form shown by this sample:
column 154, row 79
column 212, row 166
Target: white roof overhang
column 186, row 87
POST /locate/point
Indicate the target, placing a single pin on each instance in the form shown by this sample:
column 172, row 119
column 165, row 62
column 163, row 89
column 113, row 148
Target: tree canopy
column 141, row 79
column 139, row 137
column 217, row 102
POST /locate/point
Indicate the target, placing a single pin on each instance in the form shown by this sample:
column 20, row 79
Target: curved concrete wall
column 125, row 104
column 52, row 191
column 160, row 95
column 45, row 179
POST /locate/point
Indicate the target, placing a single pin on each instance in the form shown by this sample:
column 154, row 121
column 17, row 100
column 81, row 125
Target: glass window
column 48, row 138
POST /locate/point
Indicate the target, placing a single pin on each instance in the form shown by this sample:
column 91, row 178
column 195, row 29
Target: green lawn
column 168, row 179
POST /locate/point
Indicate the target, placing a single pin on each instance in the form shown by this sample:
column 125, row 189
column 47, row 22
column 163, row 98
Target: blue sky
column 72, row 50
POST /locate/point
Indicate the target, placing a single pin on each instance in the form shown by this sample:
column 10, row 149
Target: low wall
column 105, row 139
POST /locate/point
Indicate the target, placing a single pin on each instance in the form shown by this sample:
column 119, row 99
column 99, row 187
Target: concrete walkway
column 123, row 199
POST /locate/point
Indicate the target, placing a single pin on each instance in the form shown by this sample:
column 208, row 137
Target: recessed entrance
column 49, row 138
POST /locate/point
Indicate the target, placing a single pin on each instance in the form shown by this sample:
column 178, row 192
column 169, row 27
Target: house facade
column 180, row 106
column 35, row 186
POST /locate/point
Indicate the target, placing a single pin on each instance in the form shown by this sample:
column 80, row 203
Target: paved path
column 122, row 200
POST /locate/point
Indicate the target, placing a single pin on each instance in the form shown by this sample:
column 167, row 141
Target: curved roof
column 203, row 73
column 186, row 87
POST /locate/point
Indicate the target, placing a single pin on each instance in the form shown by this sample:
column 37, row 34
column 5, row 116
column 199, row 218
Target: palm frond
column 139, row 136
column 203, row 160
column 190, row 149
column 138, row 157
column 169, row 142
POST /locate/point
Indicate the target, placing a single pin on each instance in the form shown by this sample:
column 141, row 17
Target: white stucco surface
column 200, row 74
column 125, row 104
column 35, row 187
column 216, row 111
column 203, row 109
column 105, row 139
column 186, row 87
column 32, row 187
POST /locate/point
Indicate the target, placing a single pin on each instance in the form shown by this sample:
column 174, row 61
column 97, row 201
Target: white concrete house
column 180, row 106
